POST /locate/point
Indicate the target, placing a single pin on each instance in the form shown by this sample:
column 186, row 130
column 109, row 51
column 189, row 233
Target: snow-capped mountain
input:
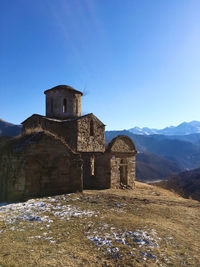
column 184, row 128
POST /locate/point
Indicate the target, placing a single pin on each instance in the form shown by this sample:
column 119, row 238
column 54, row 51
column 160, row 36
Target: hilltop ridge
column 148, row 226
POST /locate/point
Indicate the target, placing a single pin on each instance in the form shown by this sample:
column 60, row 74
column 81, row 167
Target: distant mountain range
column 9, row 129
column 184, row 128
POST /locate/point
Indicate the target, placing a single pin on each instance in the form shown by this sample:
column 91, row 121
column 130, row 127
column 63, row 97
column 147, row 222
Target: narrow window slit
column 76, row 106
column 91, row 128
column 51, row 105
column 64, row 105
column 92, row 165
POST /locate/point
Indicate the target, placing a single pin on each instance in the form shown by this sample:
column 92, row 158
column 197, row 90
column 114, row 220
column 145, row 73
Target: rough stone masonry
column 64, row 152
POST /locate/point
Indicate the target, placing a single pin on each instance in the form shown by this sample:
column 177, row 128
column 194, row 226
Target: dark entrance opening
column 123, row 171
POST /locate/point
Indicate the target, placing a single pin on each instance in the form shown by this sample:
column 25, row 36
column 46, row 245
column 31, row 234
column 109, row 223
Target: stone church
column 64, row 152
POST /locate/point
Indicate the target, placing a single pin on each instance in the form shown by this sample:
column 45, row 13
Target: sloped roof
column 31, row 117
column 67, row 120
column 63, row 87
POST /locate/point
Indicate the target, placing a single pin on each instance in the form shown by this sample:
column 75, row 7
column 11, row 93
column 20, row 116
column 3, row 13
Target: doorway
column 123, row 171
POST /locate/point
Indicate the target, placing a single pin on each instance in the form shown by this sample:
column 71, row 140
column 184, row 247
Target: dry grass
column 175, row 222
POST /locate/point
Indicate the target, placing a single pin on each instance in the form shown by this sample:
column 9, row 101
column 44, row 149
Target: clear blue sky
column 138, row 60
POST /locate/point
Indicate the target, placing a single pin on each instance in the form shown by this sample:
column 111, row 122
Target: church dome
column 63, row 87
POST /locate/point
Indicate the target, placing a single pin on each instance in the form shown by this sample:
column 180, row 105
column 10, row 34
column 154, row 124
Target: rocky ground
column 148, row 226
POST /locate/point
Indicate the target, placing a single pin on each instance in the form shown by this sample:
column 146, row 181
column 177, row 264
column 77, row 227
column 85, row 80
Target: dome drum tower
column 63, row 102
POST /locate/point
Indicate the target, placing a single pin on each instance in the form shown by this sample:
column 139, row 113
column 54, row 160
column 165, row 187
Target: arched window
column 64, row 105
column 91, row 128
column 51, row 105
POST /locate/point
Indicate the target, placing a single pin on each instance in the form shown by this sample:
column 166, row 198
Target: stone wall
column 55, row 101
column 38, row 165
column 75, row 132
column 115, row 163
column 90, row 140
column 119, row 158
column 112, row 168
column 63, row 129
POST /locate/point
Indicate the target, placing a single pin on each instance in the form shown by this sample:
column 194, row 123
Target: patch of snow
column 107, row 240
column 35, row 210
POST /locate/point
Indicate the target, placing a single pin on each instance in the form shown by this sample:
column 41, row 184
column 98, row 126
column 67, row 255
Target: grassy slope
column 171, row 221
column 186, row 184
